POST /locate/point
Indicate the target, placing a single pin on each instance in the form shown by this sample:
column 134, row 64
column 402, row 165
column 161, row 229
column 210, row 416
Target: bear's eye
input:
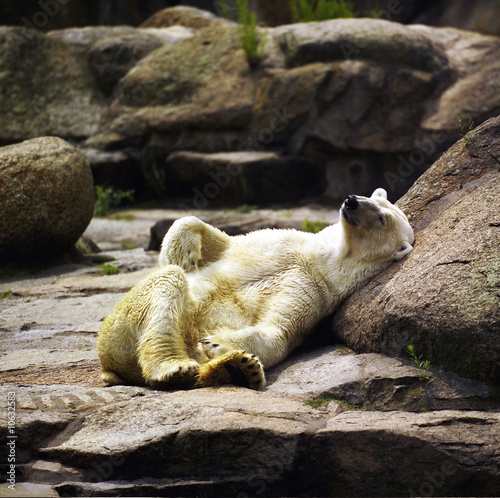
column 381, row 218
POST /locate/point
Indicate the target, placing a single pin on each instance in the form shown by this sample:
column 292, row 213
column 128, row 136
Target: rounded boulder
column 46, row 198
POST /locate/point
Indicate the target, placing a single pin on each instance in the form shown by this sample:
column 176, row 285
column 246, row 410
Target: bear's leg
column 235, row 367
column 167, row 345
column 191, row 243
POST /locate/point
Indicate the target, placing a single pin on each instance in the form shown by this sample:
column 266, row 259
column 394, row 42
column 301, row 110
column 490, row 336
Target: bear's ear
column 380, row 192
column 402, row 251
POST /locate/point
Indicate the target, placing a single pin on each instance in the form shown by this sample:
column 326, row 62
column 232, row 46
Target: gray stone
column 234, row 178
column 443, row 297
column 190, row 17
column 111, row 57
column 48, row 88
column 46, row 198
column 374, row 382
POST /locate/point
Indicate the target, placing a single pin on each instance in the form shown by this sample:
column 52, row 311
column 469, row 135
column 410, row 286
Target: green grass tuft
column 423, row 366
column 107, row 198
column 245, row 209
column 102, row 258
column 109, row 269
column 321, row 10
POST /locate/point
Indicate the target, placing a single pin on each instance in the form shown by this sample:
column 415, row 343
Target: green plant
column 122, row 217
column 470, row 126
column 127, row 245
column 102, row 258
column 423, row 366
column 109, row 197
column 252, row 41
column 109, row 269
column 245, row 209
column 321, row 402
column 5, row 294
column 313, row 226
column 223, row 8
column 318, row 402
column 343, row 350
column 321, row 10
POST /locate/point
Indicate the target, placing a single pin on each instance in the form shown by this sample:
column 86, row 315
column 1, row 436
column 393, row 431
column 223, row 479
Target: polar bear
column 221, row 309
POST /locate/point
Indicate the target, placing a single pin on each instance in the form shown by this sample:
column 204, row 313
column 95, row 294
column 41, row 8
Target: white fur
column 262, row 292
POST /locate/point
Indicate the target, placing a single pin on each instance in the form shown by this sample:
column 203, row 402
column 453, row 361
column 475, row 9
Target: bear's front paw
column 236, row 367
column 212, row 347
column 191, row 250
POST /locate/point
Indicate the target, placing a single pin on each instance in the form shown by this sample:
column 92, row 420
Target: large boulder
column 443, row 297
column 48, row 88
column 46, row 198
column 190, row 17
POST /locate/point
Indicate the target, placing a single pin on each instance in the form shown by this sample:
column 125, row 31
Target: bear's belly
column 222, row 305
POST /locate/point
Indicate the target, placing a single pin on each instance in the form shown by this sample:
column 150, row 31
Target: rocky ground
column 330, row 422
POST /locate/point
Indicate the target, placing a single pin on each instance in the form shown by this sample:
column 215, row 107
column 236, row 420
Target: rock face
column 46, row 197
column 362, row 98
column 444, row 297
column 371, row 103
column 330, row 423
column 48, row 91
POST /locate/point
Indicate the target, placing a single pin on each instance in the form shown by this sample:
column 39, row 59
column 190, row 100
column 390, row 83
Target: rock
column 443, row 297
column 234, row 178
column 363, row 97
column 111, row 57
column 189, row 17
column 46, row 196
column 347, row 419
column 453, row 175
column 48, row 88
column 369, row 39
column 373, row 382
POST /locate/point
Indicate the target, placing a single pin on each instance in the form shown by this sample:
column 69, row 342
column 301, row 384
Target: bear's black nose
column 351, row 202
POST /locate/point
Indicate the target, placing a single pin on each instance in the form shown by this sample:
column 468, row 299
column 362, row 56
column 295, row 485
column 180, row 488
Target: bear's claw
column 235, row 367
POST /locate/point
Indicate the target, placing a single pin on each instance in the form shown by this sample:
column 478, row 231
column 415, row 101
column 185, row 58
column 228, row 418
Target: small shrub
column 251, row 40
column 423, row 366
column 109, row 269
column 321, row 10
column 313, row 226
column 109, row 197
column 4, row 295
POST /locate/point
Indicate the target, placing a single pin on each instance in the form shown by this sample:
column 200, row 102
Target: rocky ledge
column 333, row 421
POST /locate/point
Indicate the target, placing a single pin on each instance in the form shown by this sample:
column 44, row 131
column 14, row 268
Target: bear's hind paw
column 235, row 367
column 111, row 378
column 174, row 373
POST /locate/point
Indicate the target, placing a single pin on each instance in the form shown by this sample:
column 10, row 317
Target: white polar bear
column 220, row 309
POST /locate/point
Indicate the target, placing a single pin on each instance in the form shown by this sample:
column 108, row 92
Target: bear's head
column 375, row 228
